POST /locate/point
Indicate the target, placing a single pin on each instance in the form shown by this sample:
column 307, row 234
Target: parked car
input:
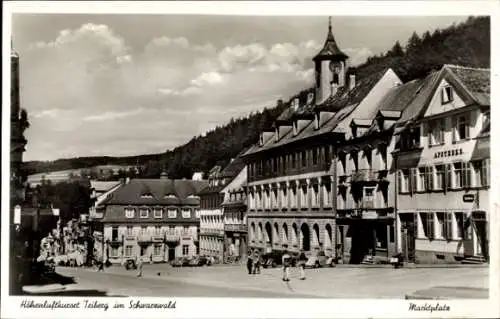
column 320, row 260
column 130, row 264
column 197, row 262
column 274, row 259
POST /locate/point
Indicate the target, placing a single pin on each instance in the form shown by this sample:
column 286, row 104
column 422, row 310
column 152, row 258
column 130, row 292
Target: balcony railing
column 144, row 238
column 235, row 227
column 172, row 237
column 364, row 175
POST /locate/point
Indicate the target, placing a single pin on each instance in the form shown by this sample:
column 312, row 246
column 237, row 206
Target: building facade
column 234, row 211
column 156, row 220
column 211, row 218
column 443, row 163
column 291, row 180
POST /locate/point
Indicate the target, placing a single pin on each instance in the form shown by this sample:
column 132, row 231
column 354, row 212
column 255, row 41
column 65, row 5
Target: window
column 460, row 222
column 314, row 196
column 391, row 233
column 368, row 197
column 293, row 197
column 128, row 251
column 462, row 127
column 413, row 180
column 114, row 251
column 129, row 230
column 284, row 198
column 129, row 212
column 186, row 213
column 171, row 229
column 421, row 179
column 404, row 181
column 315, row 156
column 429, row 179
column 383, row 156
column 304, row 158
column 185, row 250
column 114, row 233
column 342, row 158
column 439, row 177
column 446, row 94
column 368, row 156
column 428, row 224
column 485, row 128
column 327, row 155
column 327, row 195
column 444, row 225
column 157, row 250
column 294, row 160
column 436, row 132
column 274, row 198
column 172, row 213
column 158, row 230
column 144, row 212
column 158, row 213
column 461, row 175
column 485, row 172
column 275, row 165
column 303, row 196
column 144, row 230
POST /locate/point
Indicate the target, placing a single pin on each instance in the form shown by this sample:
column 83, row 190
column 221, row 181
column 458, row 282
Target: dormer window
column 147, row 195
column 446, row 94
column 186, row 213
column 158, row 213
column 144, row 212
column 170, row 196
column 354, row 131
column 316, row 121
column 129, row 212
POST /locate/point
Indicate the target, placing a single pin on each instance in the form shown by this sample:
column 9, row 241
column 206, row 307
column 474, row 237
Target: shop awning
column 482, row 149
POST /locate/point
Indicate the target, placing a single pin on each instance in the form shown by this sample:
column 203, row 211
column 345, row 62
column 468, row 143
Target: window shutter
column 413, row 179
column 400, row 181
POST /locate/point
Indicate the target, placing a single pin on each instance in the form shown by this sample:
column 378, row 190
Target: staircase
column 474, row 260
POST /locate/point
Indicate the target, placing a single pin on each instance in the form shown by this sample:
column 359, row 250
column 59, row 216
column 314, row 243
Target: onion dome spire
column 330, row 50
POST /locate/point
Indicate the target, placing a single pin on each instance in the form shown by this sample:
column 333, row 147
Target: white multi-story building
column 443, row 163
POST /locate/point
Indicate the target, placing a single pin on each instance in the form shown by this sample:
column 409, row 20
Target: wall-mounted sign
column 449, row 153
column 17, row 215
column 468, row 198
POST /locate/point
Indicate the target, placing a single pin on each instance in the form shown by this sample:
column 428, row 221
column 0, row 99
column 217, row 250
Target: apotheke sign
column 449, row 153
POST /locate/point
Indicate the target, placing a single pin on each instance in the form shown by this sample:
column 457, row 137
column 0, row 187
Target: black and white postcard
column 250, row 159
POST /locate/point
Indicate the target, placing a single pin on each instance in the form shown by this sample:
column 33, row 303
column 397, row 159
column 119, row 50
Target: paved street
column 233, row 281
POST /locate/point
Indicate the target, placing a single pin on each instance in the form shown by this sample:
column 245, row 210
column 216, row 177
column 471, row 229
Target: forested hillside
column 467, row 43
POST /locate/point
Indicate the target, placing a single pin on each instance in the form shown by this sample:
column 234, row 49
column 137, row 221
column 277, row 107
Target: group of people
column 254, row 263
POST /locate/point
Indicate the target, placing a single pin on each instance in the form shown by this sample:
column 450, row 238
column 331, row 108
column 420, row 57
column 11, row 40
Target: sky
column 119, row 85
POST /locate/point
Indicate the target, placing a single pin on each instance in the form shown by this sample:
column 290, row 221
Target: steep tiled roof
column 422, row 93
column 476, row 82
column 343, row 103
column 344, row 97
column 233, row 168
column 131, row 193
column 102, row 186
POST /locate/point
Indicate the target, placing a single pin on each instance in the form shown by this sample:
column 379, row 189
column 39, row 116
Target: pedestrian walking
column 249, row 264
column 286, row 260
column 302, row 265
column 139, row 266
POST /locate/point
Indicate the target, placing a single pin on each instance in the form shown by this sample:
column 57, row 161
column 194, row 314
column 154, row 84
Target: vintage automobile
column 197, row 261
column 274, row 259
column 320, row 260
column 177, row 262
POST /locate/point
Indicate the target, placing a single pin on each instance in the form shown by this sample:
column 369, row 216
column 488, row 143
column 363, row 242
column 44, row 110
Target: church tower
column 331, row 67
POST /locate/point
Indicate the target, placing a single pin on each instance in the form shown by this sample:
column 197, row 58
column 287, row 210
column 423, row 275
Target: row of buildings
column 361, row 169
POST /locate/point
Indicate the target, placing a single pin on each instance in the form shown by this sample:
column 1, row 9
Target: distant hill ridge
column 465, row 44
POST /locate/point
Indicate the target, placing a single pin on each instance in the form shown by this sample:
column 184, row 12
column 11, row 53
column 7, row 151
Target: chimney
column 352, row 81
column 296, row 104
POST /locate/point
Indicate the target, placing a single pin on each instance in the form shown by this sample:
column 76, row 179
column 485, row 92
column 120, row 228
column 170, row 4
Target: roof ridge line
column 466, row 67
